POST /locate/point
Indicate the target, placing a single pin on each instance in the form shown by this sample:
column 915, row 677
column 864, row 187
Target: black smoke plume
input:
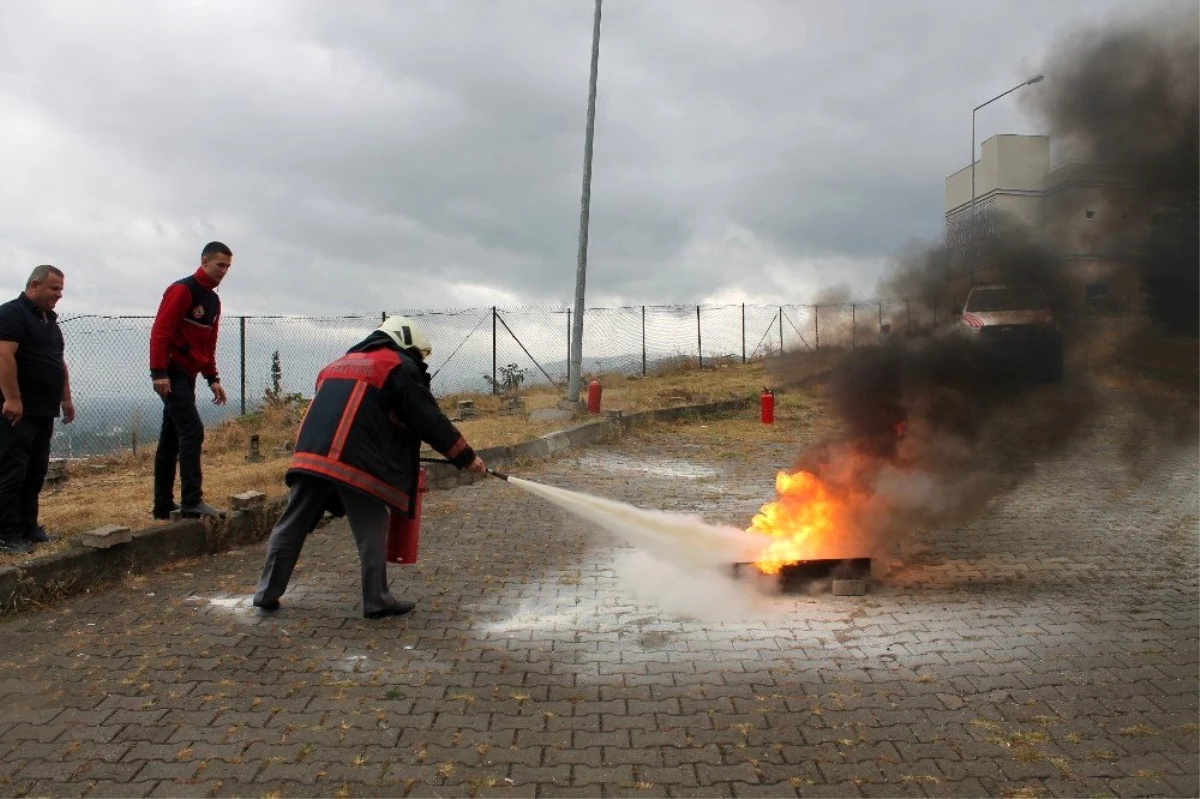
column 933, row 426
column 1126, row 98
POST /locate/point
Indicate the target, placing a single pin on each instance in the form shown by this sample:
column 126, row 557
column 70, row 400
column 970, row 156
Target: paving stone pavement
column 1047, row 648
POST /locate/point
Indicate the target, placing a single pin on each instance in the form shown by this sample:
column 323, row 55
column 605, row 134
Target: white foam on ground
column 630, row 588
column 704, row 595
column 236, row 605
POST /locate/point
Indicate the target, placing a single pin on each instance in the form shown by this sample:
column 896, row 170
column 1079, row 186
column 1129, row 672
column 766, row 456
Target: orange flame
column 805, row 517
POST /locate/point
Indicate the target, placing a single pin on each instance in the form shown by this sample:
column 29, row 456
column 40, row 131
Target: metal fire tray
column 798, row 578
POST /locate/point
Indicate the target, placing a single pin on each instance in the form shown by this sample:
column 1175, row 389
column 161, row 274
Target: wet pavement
column 1047, row 648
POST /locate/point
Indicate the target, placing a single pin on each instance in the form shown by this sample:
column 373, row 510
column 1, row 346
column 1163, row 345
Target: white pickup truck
column 1015, row 321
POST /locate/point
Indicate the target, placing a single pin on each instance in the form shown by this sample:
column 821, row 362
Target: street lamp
column 1035, row 79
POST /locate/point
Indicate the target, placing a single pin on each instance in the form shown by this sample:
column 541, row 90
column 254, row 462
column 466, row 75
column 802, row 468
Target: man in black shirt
column 34, row 385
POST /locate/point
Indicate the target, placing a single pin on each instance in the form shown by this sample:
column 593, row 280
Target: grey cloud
column 433, row 151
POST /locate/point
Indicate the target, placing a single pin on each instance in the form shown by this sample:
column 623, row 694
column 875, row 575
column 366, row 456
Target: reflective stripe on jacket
column 347, row 435
column 365, row 425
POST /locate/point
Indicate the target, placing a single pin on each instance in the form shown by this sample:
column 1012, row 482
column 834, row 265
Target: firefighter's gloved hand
column 477, row 466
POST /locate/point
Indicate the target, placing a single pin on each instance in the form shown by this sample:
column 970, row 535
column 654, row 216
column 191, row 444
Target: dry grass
column 797, row 416
column 118, row 489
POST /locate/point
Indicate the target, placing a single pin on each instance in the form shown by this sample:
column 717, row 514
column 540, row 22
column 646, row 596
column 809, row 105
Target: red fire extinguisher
column 766, row 402
column 593, row 397
column 404, row 532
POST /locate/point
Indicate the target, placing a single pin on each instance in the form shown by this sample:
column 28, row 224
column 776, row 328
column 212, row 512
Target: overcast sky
column 428, row 153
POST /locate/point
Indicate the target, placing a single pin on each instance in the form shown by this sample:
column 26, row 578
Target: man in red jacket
column 183, row 343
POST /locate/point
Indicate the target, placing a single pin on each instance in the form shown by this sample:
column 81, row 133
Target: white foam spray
column 680, row 538
column 691, row 570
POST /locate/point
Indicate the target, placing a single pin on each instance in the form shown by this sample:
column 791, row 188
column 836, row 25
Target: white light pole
column 1035, row 79
column 575, row 367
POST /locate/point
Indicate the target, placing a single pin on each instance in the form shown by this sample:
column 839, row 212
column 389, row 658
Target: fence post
column 853, row 326
column 382, row 317
column 643, row 341
column 908, row 316
column 699, row 343
column 781, row 330
column 242, row 328
column 495, row 386
column 743, row 332
column 568, row 347
column 816, row 327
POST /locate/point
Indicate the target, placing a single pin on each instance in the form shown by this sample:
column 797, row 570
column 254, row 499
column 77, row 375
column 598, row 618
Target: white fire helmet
column 407, row 334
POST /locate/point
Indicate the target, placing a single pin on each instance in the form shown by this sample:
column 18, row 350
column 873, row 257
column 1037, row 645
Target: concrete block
column 556, row 442
column 550, row 415
column 110, row 535
column 10, row 580
column 849, row 587
column 247, row 500
column 538, row 448
column 585, row 434
column 253, row 454
column 56, row 471
column 494, row 453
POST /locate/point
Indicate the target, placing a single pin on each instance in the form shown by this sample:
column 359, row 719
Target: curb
column 81, row 567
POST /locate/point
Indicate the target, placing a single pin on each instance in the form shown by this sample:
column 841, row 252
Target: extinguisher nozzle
column 495, row 473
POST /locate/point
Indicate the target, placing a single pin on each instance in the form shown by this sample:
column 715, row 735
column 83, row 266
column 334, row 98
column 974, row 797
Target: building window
column 1089, row 214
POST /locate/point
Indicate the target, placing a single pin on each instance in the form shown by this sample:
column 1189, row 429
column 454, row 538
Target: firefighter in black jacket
column 358, row 453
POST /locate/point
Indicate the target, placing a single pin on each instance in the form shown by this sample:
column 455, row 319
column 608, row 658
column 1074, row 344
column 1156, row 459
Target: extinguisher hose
column 491, row 472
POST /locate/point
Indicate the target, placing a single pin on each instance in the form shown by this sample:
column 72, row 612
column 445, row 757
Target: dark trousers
column 179, row 442
column 307, row 502
column 24, row 458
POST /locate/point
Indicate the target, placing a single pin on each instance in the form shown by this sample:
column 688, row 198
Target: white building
column 1084, row 214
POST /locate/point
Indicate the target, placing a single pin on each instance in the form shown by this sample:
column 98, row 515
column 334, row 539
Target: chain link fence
column 476, row 350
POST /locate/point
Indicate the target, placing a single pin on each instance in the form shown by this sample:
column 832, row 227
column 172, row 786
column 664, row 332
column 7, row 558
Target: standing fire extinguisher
column 766, row 402
column 593, row 396
column 404, row 532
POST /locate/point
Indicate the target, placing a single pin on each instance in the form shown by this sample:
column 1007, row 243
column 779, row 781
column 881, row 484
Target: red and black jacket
column 366, row 423
column 184, row 335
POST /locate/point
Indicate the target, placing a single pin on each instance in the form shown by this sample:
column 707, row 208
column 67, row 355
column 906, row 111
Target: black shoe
column 201, row 511
column 38, row 535
column 269, row 607
column 163, row 512
column 397, row 609
column 15, row 546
